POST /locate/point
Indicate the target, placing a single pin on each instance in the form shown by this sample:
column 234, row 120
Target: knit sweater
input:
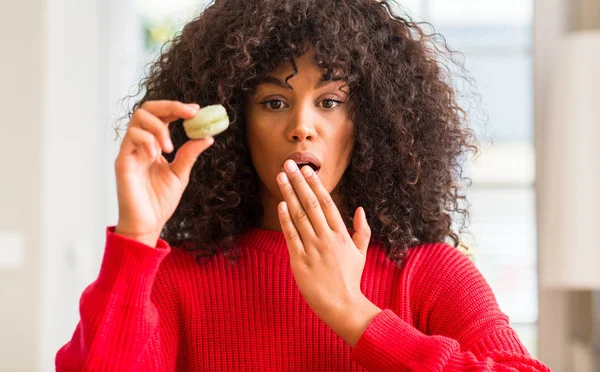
column 157, row 309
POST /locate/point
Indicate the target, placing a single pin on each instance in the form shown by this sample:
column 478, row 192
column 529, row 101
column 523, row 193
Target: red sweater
column 156, row 309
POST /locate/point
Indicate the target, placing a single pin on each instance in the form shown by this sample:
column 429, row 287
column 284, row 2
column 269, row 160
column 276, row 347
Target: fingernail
column 283, row 178
column 290, row 165
column 192, row 108
column 194, row 105
column 283, row 207
column 170, row 146
column 307, row 171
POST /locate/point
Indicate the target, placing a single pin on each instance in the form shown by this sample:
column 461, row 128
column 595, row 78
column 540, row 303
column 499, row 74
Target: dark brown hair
column 411, row 135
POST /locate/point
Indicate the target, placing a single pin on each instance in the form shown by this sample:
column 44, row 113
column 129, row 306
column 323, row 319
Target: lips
column 304, row 158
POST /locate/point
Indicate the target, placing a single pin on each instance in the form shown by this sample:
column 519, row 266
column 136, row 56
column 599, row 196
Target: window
column 495, row 37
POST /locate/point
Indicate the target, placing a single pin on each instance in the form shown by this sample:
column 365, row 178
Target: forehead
column 306, row 62
column 303, row 68
column 288, row 83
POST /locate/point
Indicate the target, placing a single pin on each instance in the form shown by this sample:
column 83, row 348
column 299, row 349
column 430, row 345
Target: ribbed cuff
column 129, row 263
column 391, row 344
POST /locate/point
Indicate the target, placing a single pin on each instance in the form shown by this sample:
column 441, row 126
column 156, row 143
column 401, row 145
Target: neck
column 269, row 219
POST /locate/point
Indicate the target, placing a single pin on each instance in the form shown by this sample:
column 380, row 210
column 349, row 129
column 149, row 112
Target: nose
column 302, row 125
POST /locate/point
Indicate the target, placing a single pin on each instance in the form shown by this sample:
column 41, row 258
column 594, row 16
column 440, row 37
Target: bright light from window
column 462, row 12
column 158, row 10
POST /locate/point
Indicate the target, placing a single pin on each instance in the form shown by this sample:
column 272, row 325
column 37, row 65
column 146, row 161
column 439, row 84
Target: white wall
column 72, row 139
column 89, row 67
column 21, row 96
column 551, row 21
column 56, row 157
column 564, row 315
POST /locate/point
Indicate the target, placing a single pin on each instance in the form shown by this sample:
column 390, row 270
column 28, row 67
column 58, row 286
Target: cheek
column 258, row 153
column 345, row 145
column 346, row 141
column 262, row 153
column 255, row 135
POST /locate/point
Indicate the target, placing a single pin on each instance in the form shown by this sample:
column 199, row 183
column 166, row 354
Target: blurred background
column 66, row 65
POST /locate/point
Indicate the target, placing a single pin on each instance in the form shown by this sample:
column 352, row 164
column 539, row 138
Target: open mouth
column 303, row 159
column 314, row 167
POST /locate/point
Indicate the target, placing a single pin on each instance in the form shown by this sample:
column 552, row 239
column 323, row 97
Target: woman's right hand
column 148, row 187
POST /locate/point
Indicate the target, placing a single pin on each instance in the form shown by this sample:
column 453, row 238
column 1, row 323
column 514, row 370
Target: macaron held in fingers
column 208, row 122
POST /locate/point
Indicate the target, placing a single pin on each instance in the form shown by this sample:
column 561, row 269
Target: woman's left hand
column 326, row 261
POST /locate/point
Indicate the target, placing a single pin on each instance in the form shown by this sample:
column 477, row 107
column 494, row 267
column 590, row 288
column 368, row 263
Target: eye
column 330, row 103
column 274, row 104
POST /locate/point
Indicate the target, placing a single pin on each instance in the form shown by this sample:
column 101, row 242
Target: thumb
column 186, row 157
column 362, row 231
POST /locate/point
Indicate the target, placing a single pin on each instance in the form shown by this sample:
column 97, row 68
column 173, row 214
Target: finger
column 296, row 210
column 307, row 197
column 140, row 142
column 186, row 157
column 327, row 205
column 148, row 122
column 293, row 239
column 169, row 111
column 362, row 231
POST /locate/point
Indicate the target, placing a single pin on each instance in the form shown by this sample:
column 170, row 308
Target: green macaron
column 209, row 121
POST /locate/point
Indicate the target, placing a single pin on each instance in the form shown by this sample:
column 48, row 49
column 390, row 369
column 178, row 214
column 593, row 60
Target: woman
column 315, row 233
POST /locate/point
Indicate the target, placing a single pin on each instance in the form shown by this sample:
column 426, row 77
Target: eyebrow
column 275, row 81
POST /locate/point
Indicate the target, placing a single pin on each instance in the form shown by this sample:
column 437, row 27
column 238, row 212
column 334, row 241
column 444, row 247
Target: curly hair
column 411, row 135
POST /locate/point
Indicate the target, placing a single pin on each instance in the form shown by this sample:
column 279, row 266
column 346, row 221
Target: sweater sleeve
column 119, row 326
column 458, row 323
